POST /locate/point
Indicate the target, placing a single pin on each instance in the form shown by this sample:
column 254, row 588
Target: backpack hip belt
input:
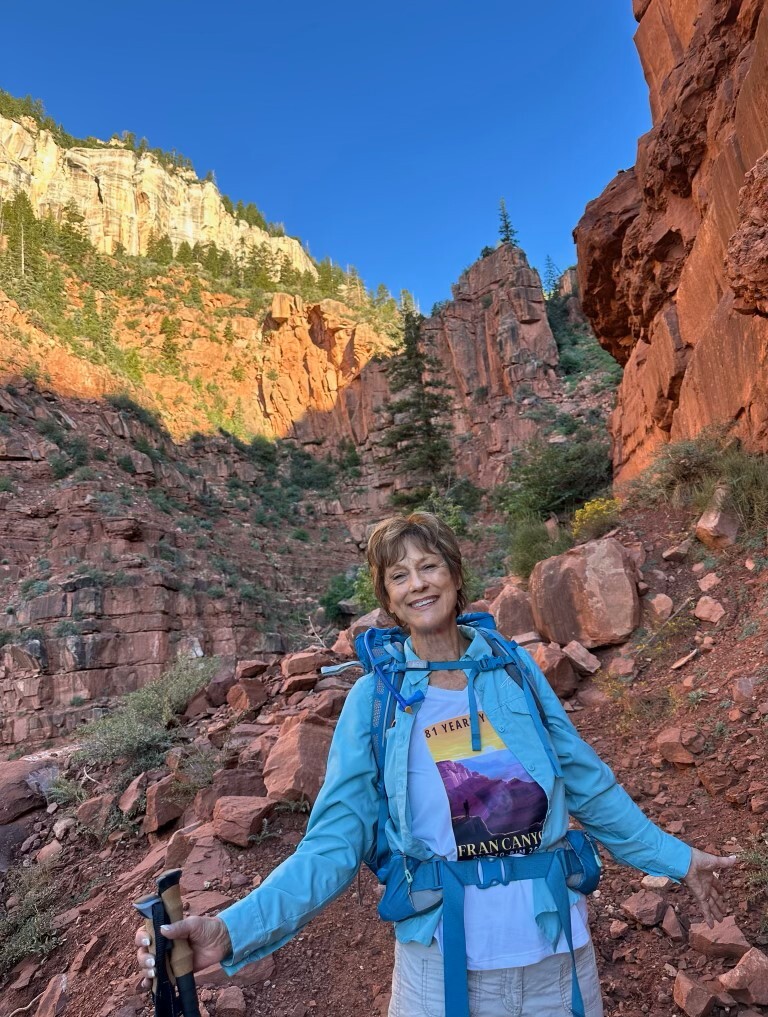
column 414, row 886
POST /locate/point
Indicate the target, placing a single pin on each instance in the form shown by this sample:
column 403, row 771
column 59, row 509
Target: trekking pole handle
column 181, row 954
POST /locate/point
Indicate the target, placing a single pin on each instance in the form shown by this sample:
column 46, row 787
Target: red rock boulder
column 296, row 765
column 18, row 792
column 588, row 594
column 512, row 612
column 238, row 820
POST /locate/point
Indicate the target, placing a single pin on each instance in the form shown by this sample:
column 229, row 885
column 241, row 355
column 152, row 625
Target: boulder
column 129, row 800
column 748, row 981
column 295, row 767
column 378, row 619
column 206, row 863
column 671, row 747
column 693, row 998
column 18, row 794
column 661, row 606
column 247, row 695
column 94, row 814
column 49, row 852
column 305, row 662
column 250, row 669
column 343, row 645
column 645, row 907
column 709, row 582
column 512, row 611
column 709, row 610
column 672, row 926
column 724, row 939
column 164, row 804
column 54, row 1000
column 583, row 662
column 719, row 525
column 221, row 682
column 556, row 667
column 231, row 1002
column 242, row 782
column 588, row 594
column 677, row 553
column 238, row 820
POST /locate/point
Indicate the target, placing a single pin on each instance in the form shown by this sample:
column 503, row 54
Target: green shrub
column 687, row 473
column 120, row 401
column 66, row 628
column 341, row 587
column 531, row 543
column 141, row 444
column 63, row 791
column 28, row 928
column 547, row 478
column 6, row 484
column 31, row 588
column 126, row 463
column 142, row 727
column 363, row 590
column 300, row 534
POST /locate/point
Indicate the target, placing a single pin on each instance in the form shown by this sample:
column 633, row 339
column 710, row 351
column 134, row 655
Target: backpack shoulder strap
column 519, row 672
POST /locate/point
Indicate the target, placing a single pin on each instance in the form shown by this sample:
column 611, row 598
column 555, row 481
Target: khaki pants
column 538, row 990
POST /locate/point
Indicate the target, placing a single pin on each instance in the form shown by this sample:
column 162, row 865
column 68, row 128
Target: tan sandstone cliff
column 673, row 254
column 125, row 196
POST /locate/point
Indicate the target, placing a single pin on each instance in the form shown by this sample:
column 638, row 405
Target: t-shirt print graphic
column 496, row 806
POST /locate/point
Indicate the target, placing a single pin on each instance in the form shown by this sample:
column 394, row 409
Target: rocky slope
column 686, row 739
column 672, row 255
column 124, row 196
column 122, row 549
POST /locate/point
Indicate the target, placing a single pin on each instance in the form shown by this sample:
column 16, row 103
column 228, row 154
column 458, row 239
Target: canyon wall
column 673, row 254
column 124, row 196
column 498, row 357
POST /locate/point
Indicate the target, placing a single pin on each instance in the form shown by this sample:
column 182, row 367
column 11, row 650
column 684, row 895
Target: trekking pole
column 173, row 987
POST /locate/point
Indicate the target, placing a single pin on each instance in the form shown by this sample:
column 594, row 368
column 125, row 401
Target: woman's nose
column 416, row 580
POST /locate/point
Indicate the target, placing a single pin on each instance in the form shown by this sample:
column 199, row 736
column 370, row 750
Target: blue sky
column 382, row 135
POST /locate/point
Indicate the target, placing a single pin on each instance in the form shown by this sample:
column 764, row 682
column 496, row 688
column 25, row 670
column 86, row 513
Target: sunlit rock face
column 672, row 255
column 124, row 196
column 497, row 349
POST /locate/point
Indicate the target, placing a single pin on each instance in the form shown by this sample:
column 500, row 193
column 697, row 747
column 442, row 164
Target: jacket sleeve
column 339, row 834
column 599, row 802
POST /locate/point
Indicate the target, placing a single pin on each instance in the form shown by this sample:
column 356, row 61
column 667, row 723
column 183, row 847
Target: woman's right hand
column 208, row 937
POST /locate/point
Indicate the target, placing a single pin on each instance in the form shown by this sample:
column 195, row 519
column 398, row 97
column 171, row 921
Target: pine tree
column 552, row 276
column 418, row 442
column 507, row 232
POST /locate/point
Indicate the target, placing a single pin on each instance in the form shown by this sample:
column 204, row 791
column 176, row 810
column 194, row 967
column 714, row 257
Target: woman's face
column 422, row 592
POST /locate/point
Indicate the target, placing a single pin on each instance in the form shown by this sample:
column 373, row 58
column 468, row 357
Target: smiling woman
column 467, row 805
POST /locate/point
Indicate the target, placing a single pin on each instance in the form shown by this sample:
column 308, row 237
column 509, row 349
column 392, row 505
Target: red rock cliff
column 673, row 254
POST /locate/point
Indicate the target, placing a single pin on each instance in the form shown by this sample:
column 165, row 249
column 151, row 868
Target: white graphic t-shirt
column 467, row 804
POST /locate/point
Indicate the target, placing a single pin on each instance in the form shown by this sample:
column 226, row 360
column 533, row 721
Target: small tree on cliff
column 507, row 232
column 417, row 443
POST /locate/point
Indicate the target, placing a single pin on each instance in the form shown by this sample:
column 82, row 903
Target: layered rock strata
column 672, row 255
column 110, row 574
column 125, row 196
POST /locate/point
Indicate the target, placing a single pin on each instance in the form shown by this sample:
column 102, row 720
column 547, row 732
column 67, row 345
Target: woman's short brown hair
column 386, row 546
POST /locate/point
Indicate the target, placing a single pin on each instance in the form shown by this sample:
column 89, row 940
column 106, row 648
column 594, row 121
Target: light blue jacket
column 341, row 828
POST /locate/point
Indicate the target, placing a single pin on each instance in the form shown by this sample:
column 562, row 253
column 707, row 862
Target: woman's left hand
column 701, row 880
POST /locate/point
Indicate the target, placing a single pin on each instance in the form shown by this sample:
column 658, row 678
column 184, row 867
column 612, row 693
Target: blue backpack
column 381, row 652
